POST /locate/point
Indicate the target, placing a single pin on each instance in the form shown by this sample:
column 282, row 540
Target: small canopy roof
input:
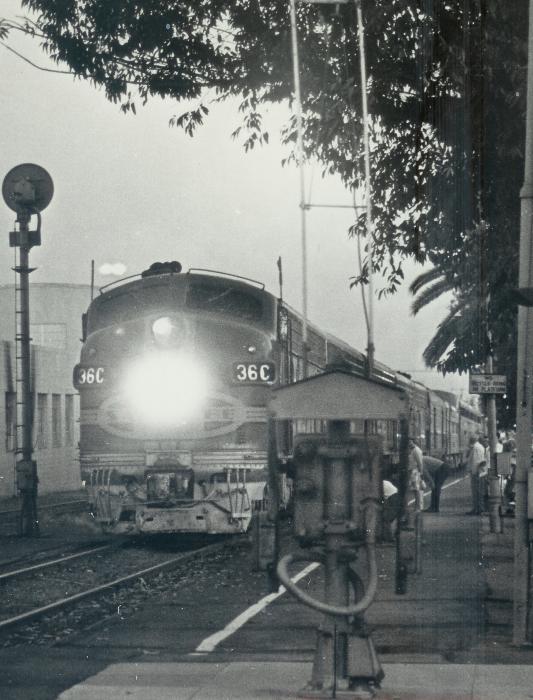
column 338, row 395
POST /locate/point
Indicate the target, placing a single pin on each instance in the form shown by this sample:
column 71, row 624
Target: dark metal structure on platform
column 337, row 502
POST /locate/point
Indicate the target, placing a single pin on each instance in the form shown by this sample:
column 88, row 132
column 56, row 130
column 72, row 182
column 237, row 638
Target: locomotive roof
column 142, row 279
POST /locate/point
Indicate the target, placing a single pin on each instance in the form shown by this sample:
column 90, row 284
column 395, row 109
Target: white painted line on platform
column 210, row 643
column 446, row 486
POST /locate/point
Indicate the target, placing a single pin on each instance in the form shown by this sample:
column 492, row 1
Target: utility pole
column 522, row 585
column 305, row 206
column 301, row 169
column 27, row 189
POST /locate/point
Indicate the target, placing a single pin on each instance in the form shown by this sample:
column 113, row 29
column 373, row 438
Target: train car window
column 217, row 297
column 357, row 427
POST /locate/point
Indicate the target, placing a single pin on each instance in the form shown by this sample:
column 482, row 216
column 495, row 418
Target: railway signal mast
column 27, row 189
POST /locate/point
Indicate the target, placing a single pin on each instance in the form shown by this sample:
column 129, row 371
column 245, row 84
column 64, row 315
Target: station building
column 55, row 329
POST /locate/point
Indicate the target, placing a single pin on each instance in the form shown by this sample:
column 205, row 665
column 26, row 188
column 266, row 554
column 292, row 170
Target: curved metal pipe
column 356, row 609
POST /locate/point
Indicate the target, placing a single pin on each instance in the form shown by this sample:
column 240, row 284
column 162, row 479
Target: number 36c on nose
column 254, row 372
column 85, row 375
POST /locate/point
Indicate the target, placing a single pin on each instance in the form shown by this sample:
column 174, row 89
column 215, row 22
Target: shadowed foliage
column 447, row 99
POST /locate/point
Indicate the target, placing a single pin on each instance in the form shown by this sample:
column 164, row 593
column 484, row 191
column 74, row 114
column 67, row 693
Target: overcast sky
column 132, row 190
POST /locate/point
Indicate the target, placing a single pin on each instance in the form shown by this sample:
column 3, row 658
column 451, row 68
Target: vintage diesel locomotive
column 174, row 377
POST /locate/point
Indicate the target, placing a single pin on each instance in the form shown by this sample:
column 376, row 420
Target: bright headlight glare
column 166, row 389
column 162, row 327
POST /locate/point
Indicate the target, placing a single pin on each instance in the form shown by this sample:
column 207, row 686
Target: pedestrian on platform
column 484, row 475
column 392, row 507
column 414, row 483
column 475, row 465
column 435, row 473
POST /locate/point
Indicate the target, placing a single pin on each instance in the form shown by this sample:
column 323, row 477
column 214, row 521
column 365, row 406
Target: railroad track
column 56, row 560
column 34, row 608
column 9, row 518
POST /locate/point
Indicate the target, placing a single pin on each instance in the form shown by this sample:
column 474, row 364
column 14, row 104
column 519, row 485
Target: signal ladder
column 25, row 470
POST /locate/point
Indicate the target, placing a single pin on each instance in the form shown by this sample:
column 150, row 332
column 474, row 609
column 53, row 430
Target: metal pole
column 521, row 601
column 26, row 468
column 300, row 157
column 495, row 521
column 368, row 188
column 330, row 662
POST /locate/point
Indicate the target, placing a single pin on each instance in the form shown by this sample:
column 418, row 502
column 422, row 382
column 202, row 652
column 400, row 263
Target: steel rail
column 65, row 602
column 54, row 562
column 50, row 506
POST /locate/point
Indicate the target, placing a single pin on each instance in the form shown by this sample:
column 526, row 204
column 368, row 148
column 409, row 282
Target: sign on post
column 487, row 384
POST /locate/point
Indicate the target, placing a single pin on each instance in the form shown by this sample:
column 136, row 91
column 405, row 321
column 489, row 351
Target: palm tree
column 458, row 342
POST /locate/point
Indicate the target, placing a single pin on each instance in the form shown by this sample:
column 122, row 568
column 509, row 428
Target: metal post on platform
column 522, row 544
column 333, row 633
column 336, row 480
column 495, row 496
column 27, row 189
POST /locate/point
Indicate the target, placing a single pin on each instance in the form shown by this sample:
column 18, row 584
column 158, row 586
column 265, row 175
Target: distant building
column 55, row 328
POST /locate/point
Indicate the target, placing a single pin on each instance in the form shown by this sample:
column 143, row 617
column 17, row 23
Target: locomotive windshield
column 133, row 303
column 217, row 296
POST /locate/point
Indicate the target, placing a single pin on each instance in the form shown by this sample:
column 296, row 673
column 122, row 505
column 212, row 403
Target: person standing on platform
column 435, row 473
column 414, row 482
column 476, row 464
column 484, row 475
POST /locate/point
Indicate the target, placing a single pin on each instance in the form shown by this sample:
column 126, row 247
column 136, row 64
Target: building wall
column 55, row 327
column 55, row 314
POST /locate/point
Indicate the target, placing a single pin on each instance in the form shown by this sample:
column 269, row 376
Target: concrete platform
column 264, row 681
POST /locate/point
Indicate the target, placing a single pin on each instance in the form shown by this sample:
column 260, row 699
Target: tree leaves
column 447, row 99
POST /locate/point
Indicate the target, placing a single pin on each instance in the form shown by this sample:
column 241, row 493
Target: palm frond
column 446, row 335
column 424, row 278
column 431, row 293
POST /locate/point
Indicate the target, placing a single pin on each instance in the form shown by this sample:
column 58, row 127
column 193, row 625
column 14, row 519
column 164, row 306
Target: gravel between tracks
column 54, row 627
column 43, row 587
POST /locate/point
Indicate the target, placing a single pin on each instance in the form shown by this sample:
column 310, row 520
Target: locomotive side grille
column 233, row 459
column 108, row 461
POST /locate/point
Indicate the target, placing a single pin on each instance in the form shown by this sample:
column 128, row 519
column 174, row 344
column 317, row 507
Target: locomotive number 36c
column 88, row 375
column 255, row 373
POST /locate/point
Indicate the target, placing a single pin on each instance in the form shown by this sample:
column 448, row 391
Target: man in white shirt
column 476, row 463
column 414, row 483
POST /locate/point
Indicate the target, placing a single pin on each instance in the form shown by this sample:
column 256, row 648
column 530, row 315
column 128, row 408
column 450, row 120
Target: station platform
column 285, row 681
column 487, row 668
column 448, row 638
